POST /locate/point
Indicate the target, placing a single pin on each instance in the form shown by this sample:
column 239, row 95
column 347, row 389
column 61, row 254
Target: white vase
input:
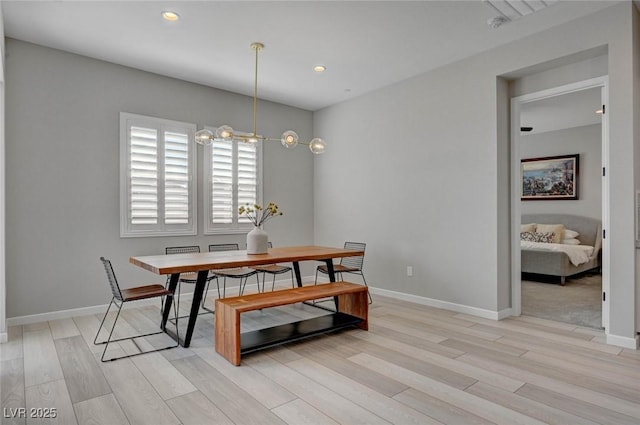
column 257, row 241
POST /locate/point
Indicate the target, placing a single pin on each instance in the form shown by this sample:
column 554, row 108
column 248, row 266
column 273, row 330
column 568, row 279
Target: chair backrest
column 111, row 277
column 224, row 247
column 354, row 262
column 181, row 249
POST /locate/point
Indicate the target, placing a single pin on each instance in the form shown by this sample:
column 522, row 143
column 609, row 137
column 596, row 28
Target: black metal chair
column 274, row 270
column 189, row 278
column 242, row 273
column 121, row 296
column 351, row 265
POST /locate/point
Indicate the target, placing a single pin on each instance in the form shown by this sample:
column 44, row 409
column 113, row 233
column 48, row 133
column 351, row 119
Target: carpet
column 578, row 302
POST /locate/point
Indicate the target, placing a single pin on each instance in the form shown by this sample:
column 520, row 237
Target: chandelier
column 289, row 138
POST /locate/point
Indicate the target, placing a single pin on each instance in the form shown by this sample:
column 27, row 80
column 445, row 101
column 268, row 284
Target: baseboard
column 458, row 308
column 100, row 309
column 503, row 314
column 56, row 315
column 624, row 341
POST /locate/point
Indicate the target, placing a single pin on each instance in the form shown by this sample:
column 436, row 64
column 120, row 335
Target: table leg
column 173, row 283
column 332, row 278
column 195, row 305
column 296, row 270
column 331, row 272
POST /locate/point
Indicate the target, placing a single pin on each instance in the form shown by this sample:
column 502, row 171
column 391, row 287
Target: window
column 157, row 185
column 233, row 177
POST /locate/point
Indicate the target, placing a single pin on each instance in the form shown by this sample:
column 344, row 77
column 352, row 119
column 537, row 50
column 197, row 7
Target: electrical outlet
column 409, row 271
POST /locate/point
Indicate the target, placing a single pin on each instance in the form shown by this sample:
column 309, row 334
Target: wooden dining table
column 202, row 263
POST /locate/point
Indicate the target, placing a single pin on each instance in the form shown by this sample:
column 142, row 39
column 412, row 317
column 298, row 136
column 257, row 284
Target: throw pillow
column 556, row 229
column 530, row 227
column 570, row 234
column 537, row 237
column 571, row 241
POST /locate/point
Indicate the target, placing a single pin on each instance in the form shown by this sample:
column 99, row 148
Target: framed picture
column 550, row 178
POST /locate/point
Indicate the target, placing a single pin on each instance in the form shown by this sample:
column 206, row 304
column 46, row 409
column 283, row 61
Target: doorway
column 533, row 107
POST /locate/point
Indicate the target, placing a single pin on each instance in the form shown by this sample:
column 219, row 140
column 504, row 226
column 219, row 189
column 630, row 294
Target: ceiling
column 570, row 110
column 364, row 45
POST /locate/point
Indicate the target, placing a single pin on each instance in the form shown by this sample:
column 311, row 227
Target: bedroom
column 561, row 265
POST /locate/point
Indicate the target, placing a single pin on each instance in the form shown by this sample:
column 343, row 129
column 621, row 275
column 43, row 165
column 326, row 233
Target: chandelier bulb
column 289, row 139
column 317, row 146
column 204, row 137
column 225, row 133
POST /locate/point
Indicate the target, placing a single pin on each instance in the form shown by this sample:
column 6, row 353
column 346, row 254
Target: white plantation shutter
column 157, row 177
column 232, row 178
column 221, row 163
column 176, row 178
column 143, row 176
column 247, row 177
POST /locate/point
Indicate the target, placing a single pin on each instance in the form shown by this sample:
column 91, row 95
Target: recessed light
column 170, row 16
column 319, row 68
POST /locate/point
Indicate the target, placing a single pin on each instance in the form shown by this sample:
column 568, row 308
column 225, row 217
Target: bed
column 556, row 258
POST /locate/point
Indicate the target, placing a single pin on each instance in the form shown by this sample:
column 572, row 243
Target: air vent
column 510, row 10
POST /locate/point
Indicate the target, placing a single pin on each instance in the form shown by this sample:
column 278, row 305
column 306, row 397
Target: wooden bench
column 352, row 310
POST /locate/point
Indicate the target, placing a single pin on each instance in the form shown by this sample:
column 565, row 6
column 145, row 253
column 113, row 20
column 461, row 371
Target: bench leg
column 356, row 304
column 228, row 333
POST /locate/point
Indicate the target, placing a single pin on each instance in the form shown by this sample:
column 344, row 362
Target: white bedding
column 578, row 254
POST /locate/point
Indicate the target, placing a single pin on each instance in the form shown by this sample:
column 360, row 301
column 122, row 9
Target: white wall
column 62, row 147
column 416, row 171
column 3, row 311
column 586, row 141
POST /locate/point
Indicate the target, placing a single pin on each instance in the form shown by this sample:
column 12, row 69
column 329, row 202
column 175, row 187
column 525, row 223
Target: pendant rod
column 257, row 47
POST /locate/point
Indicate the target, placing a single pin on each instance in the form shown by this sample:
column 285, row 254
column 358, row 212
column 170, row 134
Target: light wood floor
column 416, row 365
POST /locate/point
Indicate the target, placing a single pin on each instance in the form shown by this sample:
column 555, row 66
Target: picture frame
column 550, row 178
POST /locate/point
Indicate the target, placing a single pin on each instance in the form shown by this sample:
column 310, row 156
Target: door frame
column 4, row 334
column 516, row 266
